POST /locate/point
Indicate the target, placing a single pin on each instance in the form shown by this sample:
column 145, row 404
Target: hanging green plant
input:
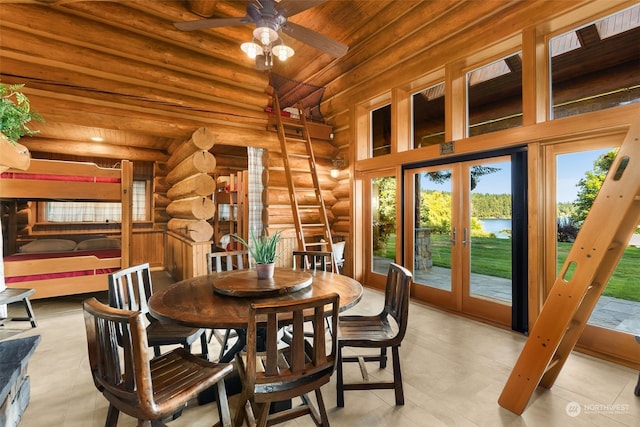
column 15, row 113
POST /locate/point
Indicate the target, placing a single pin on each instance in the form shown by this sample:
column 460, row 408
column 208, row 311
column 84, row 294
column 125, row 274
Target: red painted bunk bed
column 67, row 268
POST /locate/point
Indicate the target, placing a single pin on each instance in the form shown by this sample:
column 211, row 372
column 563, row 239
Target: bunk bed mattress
column 85, row 263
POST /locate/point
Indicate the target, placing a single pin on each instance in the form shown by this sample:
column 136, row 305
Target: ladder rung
column 314, row 244
column 298, row 155
column 295, row 139
column 312, row 225
column 280, row 226
column 293, row 124
column 280, row 205
column 309, row 206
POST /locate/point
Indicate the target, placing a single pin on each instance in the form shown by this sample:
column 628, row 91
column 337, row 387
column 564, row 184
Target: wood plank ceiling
column 121, row 71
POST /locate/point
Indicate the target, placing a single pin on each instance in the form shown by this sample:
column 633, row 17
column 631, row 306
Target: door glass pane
column 383, row 232
column 490, row 251
column 432, row 258
column 579, row 177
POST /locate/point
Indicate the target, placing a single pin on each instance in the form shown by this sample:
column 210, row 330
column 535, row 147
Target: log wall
column 187, row 204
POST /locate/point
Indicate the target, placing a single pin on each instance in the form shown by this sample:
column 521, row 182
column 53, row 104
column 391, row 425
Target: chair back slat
column 271, row 360
column 319, row 339
column 297, row 363
column 312, row 260
column 397, row 292
column 234, row 260
column 303, row 362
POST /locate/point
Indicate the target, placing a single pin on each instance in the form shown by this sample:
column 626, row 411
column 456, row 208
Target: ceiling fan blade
column 202, row 24
column 293, row 7
column 315, row 39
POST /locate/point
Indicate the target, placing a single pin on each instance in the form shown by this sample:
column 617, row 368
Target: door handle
column 464, row 237
column 453, row 236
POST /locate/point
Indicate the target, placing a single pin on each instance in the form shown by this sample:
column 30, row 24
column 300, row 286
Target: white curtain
column 98, row 211
column 255, row 189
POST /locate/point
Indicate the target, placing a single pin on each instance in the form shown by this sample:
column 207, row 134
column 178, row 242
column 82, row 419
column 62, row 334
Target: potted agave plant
column 15, row 113
column 264, row 251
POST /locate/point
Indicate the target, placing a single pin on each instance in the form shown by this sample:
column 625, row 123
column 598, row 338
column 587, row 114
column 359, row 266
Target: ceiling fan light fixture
column 251, row 49
column 266, row 35
column 282, row 51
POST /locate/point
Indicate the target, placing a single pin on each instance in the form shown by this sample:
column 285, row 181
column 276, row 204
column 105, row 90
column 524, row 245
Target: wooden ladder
column 592, row 259
column 309, row 211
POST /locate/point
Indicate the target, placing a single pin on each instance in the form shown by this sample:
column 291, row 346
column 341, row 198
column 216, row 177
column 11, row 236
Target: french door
column 461, row 244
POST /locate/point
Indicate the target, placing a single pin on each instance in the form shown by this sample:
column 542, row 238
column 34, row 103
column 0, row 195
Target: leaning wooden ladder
column 306, row 202
column 592, row 259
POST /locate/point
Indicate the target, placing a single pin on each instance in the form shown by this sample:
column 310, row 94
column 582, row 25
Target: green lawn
column 625, row 281
column 493, row 257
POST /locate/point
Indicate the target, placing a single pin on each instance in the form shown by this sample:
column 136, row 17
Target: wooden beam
column 98, row 113
column 38, row 76
column 108, row 35
column 142, row 81
column 109, row 151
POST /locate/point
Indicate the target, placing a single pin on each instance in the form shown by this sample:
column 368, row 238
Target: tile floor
column 454, row 370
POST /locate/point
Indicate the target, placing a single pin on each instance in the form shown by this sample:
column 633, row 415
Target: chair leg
column 27, row 307
column 263, row 414
column 223, row 405
column 383, row 357
column 241, row 410
column 339, row 380
column 224, row 344
column 156, row 350
column 112, row 416
column 397, row 375
column 204, row 345
column 324, row 418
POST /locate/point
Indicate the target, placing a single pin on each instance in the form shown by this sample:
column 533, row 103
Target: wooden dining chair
column 226, row 261
column 312, row 260
column 130, row 289
column 380, row 331
column 149, row 390
column 278, row 374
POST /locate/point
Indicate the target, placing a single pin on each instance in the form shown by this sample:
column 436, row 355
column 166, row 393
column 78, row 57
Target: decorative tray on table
column 245, row 283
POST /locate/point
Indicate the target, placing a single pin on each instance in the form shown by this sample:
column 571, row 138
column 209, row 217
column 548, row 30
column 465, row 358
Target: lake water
column 496, row 226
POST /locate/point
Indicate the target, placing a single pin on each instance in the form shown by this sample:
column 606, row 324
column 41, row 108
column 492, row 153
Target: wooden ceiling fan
column 272, row 16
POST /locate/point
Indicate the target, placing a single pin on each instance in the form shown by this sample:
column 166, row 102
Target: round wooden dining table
column 222, row 300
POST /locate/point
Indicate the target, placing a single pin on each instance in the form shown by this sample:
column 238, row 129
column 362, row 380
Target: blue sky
column 571, row 168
